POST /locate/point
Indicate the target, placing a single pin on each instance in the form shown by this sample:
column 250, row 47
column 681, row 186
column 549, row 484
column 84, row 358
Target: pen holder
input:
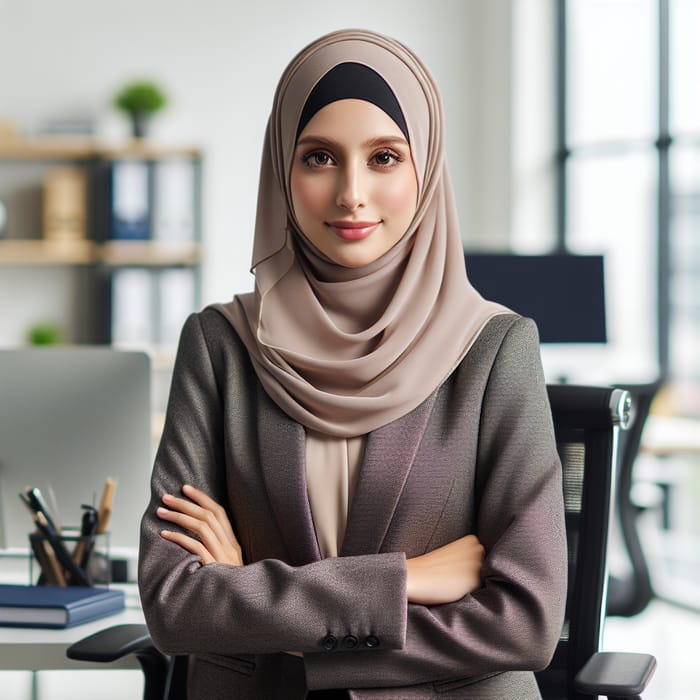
column 83, row 561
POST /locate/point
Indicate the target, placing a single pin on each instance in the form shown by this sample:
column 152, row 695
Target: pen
column 54, row 506
column 77, row 576
column 38, row 504
column 51, row 572
column 83, row 549
column 105, row 509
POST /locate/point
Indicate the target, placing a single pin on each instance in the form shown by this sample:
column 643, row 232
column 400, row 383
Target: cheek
column 400, row 196
column 309, row 194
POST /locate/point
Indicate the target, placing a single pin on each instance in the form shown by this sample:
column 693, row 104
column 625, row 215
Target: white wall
column 220, row 61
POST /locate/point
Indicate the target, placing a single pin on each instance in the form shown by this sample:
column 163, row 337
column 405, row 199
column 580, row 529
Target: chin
column 353, row 260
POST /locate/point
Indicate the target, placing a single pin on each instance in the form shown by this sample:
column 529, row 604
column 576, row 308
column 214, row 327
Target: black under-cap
column 352, row 81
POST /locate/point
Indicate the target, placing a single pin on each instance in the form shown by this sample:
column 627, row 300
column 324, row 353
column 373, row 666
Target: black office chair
column 629, row 595
column 587, row 422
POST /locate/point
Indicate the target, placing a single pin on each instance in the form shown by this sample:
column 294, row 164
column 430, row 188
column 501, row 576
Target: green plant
column 44, row 334
column 140, row 97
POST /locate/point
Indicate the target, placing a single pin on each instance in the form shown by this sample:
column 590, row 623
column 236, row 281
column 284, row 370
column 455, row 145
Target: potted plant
column 44, row 333
column 140, row 100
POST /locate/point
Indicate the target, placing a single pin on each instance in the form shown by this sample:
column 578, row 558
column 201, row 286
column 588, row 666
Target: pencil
column 105, row 510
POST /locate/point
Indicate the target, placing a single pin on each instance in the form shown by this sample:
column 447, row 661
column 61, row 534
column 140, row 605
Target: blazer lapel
column 389, row 456
column 282, row 460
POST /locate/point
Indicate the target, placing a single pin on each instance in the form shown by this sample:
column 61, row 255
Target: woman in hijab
column 357, row 492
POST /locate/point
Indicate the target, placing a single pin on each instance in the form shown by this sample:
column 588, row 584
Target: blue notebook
column 56, row 606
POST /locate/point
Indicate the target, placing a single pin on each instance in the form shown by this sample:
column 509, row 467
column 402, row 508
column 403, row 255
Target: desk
column 35, row 649
column 669, row 458
column 665, row 436
column 23, row 649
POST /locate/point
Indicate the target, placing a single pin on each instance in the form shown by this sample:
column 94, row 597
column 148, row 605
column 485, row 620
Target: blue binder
column 130, row 200
column 56, row 606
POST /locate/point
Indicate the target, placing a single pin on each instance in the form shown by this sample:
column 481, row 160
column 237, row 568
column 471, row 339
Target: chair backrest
column 587, row 421
column 629, row 595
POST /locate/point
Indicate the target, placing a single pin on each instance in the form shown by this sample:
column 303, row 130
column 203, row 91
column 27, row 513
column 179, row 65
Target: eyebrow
column 376, row 141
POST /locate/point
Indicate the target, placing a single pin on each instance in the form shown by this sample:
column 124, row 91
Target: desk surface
column 33, row 649
column 23, row 649
column 671, row 435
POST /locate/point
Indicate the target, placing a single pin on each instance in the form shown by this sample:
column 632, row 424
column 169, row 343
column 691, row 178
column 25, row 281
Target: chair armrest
column 112, row 643
column 615, row 674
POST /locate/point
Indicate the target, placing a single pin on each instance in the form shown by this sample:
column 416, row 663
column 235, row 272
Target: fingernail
column 161, row 511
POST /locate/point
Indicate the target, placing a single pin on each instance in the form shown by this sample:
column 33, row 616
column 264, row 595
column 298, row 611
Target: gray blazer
column 478, row 456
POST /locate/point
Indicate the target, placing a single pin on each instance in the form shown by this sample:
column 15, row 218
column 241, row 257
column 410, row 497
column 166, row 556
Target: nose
column 352, row 186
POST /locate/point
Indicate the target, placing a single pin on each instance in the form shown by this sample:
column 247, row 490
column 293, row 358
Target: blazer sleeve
column 263, row 607
column 513, row 622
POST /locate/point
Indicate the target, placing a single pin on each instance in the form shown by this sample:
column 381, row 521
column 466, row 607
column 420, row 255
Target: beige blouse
column 332, row 468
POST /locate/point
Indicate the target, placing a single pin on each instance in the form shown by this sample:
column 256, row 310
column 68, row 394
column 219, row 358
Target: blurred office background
column 573, row 127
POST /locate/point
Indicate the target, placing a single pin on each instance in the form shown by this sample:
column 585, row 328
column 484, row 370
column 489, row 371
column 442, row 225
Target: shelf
column 39, row 252
column 159, row 277
column 112, row 253
column 85, row 148
column 149, row 253
column 145, row 150
column 57, row 148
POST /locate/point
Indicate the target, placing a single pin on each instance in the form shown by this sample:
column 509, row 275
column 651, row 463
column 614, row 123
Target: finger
column 190, row 544
column 221, row 550
column 198, row 499
column 196, row 511
column 197, row 526
column 210, row 504
column 198, row 496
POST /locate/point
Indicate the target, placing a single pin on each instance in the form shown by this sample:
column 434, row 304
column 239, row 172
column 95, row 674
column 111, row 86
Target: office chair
column 628, row 596
column 587, row 422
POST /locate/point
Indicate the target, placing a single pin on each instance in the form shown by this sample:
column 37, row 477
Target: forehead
column 351, row 121
column 403, row 75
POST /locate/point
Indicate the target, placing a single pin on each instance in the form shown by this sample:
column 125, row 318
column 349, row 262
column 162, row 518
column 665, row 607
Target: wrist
column 412, row 580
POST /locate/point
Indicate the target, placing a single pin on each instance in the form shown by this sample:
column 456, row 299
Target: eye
column 386, row 159
column 316, row 159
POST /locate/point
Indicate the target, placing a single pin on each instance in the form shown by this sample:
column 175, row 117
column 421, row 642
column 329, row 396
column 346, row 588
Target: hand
column 200, row 515
column 447, row 573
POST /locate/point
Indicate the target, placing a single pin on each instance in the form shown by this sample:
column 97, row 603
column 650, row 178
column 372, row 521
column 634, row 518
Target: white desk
column 34, row 649
column 666, row 436
column 24, row 649
column 669, row 453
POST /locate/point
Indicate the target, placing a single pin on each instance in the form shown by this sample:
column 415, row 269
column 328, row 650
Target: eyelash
column 395, row 159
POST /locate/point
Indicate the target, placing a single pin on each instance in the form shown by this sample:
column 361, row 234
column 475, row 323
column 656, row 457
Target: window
column 629, row 173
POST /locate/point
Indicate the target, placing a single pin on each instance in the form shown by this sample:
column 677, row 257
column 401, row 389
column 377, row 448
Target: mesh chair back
column 586, row 422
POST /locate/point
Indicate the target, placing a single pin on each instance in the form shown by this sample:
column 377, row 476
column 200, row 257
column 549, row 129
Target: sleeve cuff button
column 350, row 642
column 329, row 643
column 372, row 642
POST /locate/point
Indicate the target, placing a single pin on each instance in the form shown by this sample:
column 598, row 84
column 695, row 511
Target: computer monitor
column 70, row 417
column 564, row 294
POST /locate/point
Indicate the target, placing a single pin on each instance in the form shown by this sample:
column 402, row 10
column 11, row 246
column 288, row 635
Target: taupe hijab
column 344, row 351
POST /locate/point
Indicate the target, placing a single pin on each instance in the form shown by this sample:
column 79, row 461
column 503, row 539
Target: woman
column 357, row 486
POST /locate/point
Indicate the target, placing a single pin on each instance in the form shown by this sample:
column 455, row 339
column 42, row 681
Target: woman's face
column 353, row 182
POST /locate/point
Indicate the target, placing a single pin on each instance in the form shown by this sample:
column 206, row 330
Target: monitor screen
column 564, row 294
column 70, row 417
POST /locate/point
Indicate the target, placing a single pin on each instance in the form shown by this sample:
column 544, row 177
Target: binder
column 56, row 606
column 130, row 200
column 174, row 191
column 176, row 301
column 132, row 308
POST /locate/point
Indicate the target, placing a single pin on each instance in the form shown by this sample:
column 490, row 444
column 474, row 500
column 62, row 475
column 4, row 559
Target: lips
column 353, row 230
